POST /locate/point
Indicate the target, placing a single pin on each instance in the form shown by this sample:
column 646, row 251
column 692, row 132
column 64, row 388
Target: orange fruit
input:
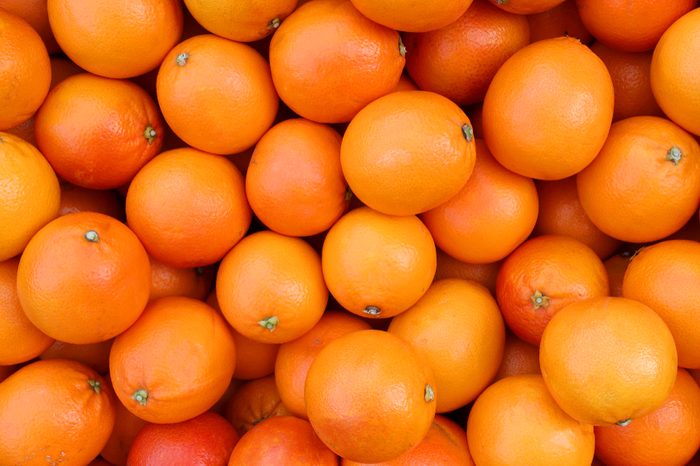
column 405, row 15
column 483, row 37
column 561, row 20
column 405, row 84
column 25, row 70
column 369, row 396
column 608, row 360
column 666, row 277
column 516, row 421
column 294, row 182
column 175, row 362
column 496, row 210
column 126, row 426
column 295, row 357
column 616, row 266
column 673, row 71
column 36, row 14
column 526, row 7
column 116, row 39
column 668, row 436
column 98, row 132
column 631, row 26
column 377, row 265
column 270, row 287
column 216, row 94
column 253, row 402
column 286, row 440
column 536, row 121
column 54, row 412
column 205, row 439
column 174, row 281
column 21, row 339
column 328, row 60
column 484, row 274
column 519, row 357
column 78, row 199
column 645, row 183
column 408, row 152
column 93, row 355
column 188, row 207
column 31, row 194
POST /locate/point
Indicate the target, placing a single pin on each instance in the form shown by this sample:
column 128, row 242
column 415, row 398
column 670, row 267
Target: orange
column 516, row 421
column 93, row 355
column 77, row 199
column 83, row 278
column 174, row 281
column 328, row 60
column 295, row 357
column 405, row 15
column 408, row 152
column 536, row 119
column 561, row 20
column 673, row 71
column 519, row 357
column 616, row 266
column 405, row 84
column 294, row 181
column 608, row 360
column 496, row 210
column 205, row 439
column 270, row 287
column 286, row 440
column 666, row 277
column 175, row 362
column 561, row 213
column 116, row 38
column 377, row 265
column 35, row 13
column 526, row 7
column 253, row 402
column 25, row 70
column 21, row 339
column 460, row 59
column 126, row 426
column 645, row 183
column 484, row 274
column 216, row 94
column 631, row 26
column 667, row 436
column 241, row 21
column 188, row 207
column 54, row 412
column 370, row 396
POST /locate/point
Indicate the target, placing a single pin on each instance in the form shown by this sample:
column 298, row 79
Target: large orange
column 216, row 94
column 645, row 182
column 83, row 278
column 406, row 15
column 526, row 7
column 548, row 109
column 516, row 421
column 561, row 20
column 253, row 402
column 328, row 60
column 608, row 360
column 369, row 396
column 377, row 265
column 116, row 38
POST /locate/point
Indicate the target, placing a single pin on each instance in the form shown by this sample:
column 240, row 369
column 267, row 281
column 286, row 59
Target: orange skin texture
column 370, row 396
column 31, row 194
column 295, row 357
column 188, row 207
column 561, row 20
column 270, row 277
column 205, row 439
column 543, row 117
column 631, row 26
column 484, row 274
column 458, row 329
column 92, row 130
column 328, row 61
column 519, row 357
column 26, row 72
column 408, row 152
column 36, row 14
column 21, row 339
column 607, row 360
column 405, row 15
column 516, row 421
column 484, row 36
column 109, row 37
column 93, row 355
column 666, row 277
column 496, row 210
column 294, row 182
column 616, row 266
column 667, row 436
column 82, row 290
column 526, row 7
column 372, row 259
column 126, row 426
column 78, row 199
column 218, row 96
column 174, row 281
column 633, row 190
column 674, row 73
column 173, row 333
column 253, row 402
column 49, row 409
column 282, row 440
column 445, row 444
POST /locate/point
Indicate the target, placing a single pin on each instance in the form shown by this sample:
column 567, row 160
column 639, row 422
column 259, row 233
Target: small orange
column 519, row 357
column 78, row 199
column 561, row 20
column 616, row 266
column 253, row 402
column 484, row 274
column 93, row 355
column 405, row 15
column 526, row 7
column 175, row 281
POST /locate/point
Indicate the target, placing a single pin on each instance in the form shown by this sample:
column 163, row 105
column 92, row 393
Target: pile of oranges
column 354, row 232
